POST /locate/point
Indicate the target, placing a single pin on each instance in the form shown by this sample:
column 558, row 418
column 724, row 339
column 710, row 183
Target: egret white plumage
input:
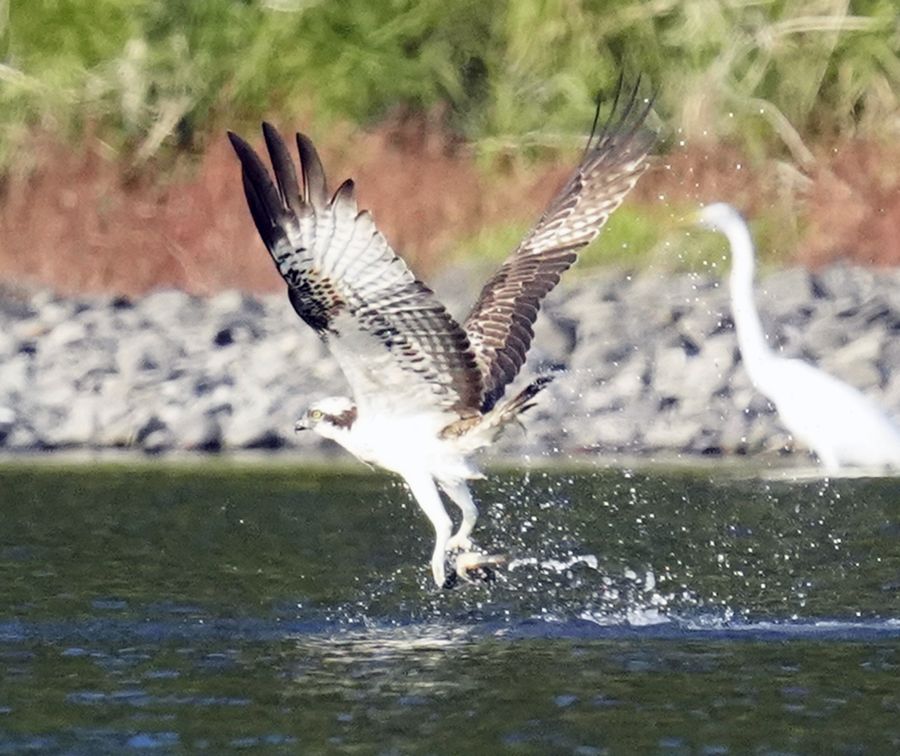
column 839, row 423
column 427, row 390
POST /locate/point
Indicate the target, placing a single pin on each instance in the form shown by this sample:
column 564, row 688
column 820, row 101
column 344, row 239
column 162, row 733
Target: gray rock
column 670, row 431
column 198, row 430
column 9, row 345
column 7, row 422
column 890, row 398
column 154, row 435
column 690, row 379
column 622, row 389
column 786, row 295
column 824, row 336
column 117, row 428
column 250, row 426
column 652, row 364
column 16, row 375
column 857, row 362
column 149, row 356
column 612, row 431
column 22, row 437
column 554, row 340
column 79, row 425
column 66, row 334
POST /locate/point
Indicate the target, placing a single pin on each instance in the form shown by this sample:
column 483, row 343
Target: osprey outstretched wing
column 500, row 324
column 389, row 333
column 396, row 344
column 425, row 387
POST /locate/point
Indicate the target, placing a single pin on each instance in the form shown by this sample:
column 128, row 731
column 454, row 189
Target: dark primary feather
column 394, row 340
column 315, row 188
column 285, row 175
column 500, row 324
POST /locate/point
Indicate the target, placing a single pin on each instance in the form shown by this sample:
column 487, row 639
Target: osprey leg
column 459, row 493
column 429, row 500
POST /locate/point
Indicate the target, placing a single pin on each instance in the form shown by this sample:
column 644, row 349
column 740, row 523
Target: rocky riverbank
column 646, row 365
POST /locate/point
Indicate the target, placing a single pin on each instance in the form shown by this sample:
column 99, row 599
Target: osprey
column 427, row 390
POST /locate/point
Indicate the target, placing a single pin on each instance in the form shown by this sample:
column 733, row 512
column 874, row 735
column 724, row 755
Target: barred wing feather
column 398, row 347
column 500, row 324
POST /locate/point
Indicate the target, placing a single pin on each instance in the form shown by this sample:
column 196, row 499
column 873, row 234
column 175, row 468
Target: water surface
column 220, row 607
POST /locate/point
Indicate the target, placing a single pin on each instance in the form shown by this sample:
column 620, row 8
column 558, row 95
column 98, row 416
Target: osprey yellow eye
column 317, row 414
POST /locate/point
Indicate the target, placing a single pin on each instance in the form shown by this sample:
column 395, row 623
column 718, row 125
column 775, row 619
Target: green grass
column 642, row 237
column 634, row 236
column 158, row 75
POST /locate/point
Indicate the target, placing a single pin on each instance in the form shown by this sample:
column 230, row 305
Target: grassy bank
column 457, row 117
column 154, row 74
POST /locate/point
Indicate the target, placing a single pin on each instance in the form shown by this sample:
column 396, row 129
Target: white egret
column 841, row 425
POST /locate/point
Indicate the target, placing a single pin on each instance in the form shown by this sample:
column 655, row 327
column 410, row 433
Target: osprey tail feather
column 483, row 430
column 521, row 402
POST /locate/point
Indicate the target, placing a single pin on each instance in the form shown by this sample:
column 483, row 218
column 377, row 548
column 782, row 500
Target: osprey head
column 328, row 417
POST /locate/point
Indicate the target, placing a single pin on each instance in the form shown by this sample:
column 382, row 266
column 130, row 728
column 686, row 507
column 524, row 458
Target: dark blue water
column 226, row 607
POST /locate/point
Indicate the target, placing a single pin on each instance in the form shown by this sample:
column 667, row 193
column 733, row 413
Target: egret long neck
column 755, row 351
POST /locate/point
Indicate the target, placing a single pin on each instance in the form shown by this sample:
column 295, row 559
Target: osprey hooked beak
column 311, row 418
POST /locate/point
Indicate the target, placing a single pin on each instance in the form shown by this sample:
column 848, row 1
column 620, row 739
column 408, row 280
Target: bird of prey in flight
column 428, row 391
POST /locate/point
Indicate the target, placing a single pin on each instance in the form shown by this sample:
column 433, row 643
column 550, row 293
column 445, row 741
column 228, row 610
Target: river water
column 224, row 607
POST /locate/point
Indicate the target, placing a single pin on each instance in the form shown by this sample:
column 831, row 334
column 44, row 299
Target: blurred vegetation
column 156, row 79
column 639, row 238
column 146, row 75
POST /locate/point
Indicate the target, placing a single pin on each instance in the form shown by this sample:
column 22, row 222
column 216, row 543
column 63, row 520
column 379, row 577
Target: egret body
column 841, row 425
